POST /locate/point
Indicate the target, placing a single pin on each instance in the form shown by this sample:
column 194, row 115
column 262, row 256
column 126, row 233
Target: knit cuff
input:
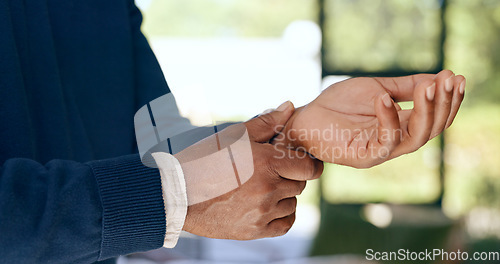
column 132, row 203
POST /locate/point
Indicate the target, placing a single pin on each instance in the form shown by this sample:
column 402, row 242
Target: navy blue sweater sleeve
column 72, row 75
column 69, row 212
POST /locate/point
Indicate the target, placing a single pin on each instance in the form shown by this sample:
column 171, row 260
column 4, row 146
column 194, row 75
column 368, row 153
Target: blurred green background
column 388, row 37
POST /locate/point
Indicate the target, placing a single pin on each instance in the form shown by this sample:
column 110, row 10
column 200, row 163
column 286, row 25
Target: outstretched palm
column 357, row 122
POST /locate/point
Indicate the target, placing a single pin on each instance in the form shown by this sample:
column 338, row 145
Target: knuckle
column 289, row 206
column 301, row 186
column 444, row 74
column 287, row 223
column 281, row 226
column 318, row 169
column 272, row 164
column 310, row 168
column 265, row 207
column 296, row 187
column 293, row 204
column 307, row 168
column 267, row 120
column 283, row 230
column 280, row 229
column 269, row 170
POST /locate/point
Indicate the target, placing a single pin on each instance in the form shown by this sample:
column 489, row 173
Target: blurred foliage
column 225, row 18
column 411, row 178
column 472, row 46
column 473, row 142
column 382, row 35
column 473, row 159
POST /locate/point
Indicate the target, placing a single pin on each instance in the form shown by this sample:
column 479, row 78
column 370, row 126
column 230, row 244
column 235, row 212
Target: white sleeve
column 174, row 196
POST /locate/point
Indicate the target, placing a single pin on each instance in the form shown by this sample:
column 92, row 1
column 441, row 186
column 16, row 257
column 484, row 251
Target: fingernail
column 461, row 89
column 386, row 99
column 430, row 91
column 448, row 84
column 284, row 106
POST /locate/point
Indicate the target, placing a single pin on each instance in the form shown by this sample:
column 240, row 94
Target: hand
column 357, row 122
column 260, row 205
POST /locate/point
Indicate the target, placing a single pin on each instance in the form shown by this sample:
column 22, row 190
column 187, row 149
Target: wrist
column 287, row 137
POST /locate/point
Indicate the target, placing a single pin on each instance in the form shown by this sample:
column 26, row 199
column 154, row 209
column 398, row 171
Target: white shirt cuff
column 174, row 196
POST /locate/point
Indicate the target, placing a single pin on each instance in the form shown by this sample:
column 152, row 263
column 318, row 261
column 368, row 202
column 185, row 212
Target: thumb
column 262, row 128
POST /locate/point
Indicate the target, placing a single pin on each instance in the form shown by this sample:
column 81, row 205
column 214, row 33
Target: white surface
column 235, row 77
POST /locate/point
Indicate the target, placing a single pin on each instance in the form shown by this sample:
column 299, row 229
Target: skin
column 373, row 129
column 365, row 131
column 264, row 206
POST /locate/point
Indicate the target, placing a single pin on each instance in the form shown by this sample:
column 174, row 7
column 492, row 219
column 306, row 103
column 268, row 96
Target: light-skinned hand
column 358, row 122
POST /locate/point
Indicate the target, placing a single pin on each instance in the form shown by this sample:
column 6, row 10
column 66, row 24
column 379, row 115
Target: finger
column 421, row 119
column 289, row 188
column 458, row 97
column 404, row 116
column 264, row 127
column 389, row 132
column 296, row 165
column 280, row 226
column 285, row 208
column 398, row 107
column 442, row 101
column 402, row 88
